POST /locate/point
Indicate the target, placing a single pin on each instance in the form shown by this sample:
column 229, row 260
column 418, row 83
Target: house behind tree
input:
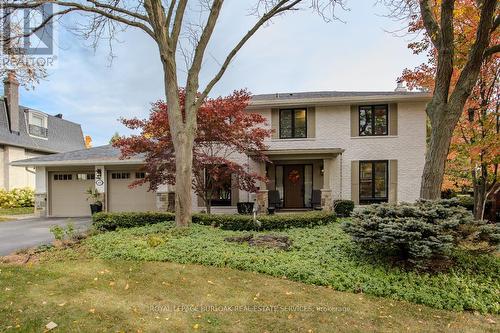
column 27, row 133
column 365, row 146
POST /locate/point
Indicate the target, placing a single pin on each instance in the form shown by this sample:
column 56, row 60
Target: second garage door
column 68, row 197
column 121, row 198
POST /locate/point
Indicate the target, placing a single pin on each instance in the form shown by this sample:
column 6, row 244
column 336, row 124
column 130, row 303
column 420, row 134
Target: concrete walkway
column 21, row 234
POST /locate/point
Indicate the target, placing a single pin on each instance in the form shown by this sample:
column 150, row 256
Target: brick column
column 41, row 204
column 262, row 201
column 162, row 198
column 326, row 200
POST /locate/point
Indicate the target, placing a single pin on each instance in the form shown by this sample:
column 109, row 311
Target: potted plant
column 94, row 196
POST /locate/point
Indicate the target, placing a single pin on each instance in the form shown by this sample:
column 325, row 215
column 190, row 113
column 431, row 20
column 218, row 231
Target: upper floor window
column 293, row 123
column 37, row 124
column 373, row 120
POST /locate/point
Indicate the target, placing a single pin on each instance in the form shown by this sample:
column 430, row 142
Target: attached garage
column 121, row 198
column 68, row 197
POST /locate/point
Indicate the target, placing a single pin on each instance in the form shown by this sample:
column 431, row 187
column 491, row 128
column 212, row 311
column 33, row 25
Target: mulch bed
column 267, row 241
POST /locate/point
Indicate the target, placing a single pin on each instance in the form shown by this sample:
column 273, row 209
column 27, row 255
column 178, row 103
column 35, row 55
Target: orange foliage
column 88, row 141
column 476, row 139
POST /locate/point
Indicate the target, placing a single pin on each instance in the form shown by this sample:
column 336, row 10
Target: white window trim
column 29, row 121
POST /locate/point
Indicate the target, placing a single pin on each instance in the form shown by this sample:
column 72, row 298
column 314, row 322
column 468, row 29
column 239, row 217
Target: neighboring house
column 364, row 146
column 26, row 133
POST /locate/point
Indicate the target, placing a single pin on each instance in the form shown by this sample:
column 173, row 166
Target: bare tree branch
column 492, row 50
column 280, row 7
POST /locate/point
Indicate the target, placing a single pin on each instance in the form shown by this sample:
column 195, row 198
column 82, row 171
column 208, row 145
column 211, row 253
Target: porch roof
column 303, row 154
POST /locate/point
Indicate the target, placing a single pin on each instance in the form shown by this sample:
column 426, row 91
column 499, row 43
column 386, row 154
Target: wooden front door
column 293, row 186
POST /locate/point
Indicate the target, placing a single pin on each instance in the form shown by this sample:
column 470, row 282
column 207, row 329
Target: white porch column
column 101, row 185
column 41, row 182
column 262, row 194
column 337, row 177
column 326, row 191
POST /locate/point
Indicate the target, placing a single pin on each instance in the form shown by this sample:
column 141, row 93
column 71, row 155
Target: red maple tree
column 225, row 136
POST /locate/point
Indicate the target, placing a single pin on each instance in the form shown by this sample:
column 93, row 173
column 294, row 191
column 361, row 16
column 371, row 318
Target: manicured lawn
column 88, row 295
column 17, row 211
column 322, row 255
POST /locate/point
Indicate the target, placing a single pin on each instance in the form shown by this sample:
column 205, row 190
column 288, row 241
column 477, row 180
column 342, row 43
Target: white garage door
column 68, row 193
column 121, row 198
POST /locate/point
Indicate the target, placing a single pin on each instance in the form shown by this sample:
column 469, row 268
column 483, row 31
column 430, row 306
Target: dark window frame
column 373, row 199
column 221, row 202
column 119, row 175
column 63, row 176
column 293, row 123
column 82, row 176
column 372, row 108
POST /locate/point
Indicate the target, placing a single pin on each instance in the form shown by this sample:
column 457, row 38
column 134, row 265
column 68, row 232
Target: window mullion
column 373, row 180
column 373, row 122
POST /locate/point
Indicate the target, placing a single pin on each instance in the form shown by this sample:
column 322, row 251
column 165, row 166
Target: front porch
column 299, row 180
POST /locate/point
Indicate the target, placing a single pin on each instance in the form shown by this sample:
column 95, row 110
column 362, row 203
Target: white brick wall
column 333, row 131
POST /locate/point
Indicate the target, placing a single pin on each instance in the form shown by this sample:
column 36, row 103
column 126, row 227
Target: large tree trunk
column 437, row 152
column 183, row 144
column 479, row 199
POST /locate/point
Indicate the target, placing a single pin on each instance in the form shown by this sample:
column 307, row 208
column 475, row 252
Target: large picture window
column 293, row 123
column 373, row 120
column 373, row 181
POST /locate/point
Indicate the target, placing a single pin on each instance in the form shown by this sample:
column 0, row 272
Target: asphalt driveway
column 20, row 234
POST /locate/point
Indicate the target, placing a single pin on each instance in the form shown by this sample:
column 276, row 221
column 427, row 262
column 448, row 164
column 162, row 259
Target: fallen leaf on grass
column 126, row 287
column 51, row 326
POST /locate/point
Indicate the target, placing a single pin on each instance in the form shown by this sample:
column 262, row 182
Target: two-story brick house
column 364, row 146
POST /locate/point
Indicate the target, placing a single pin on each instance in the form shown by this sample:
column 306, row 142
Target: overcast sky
column 297, row 52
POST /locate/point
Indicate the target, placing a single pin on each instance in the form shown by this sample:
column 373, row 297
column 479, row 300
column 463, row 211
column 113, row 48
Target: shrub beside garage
column 16, row 198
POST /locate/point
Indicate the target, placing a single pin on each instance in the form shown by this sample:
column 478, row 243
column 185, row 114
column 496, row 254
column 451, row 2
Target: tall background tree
column 473, row 154
column 475, row 148
column 166, row 22
column 13, row 61
column 225, row 134
column 455, row 68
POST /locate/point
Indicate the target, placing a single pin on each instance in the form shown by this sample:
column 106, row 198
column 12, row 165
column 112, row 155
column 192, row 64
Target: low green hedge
column 265, row 222
column 112, row 221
